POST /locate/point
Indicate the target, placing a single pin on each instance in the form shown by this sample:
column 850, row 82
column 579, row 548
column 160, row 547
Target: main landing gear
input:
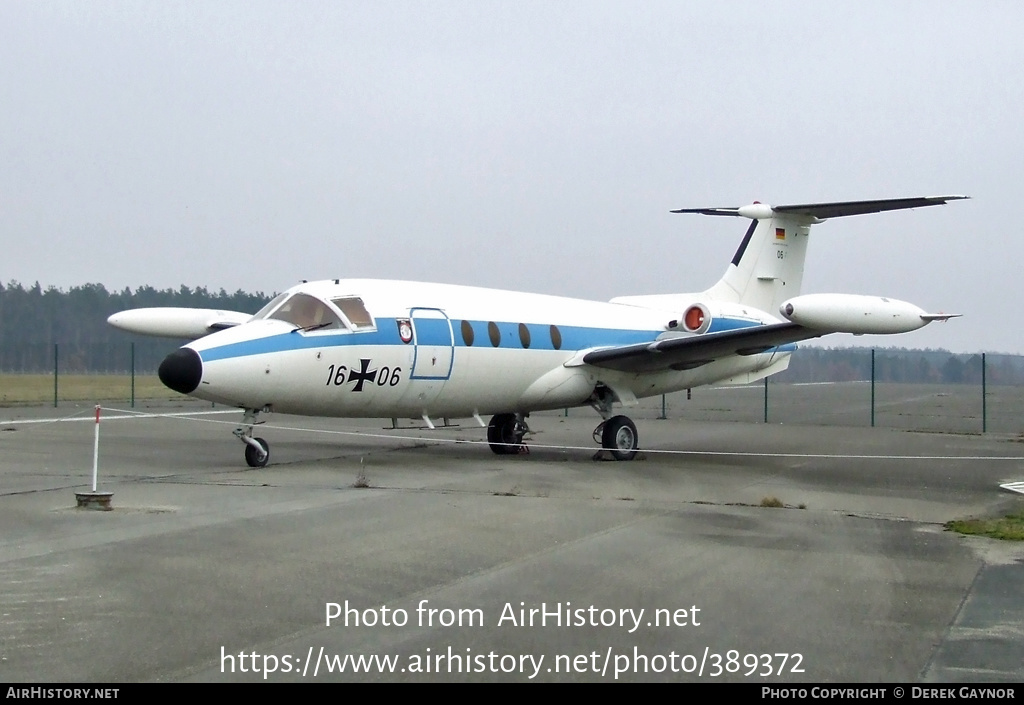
column 505, row 434
column 257, row 450
column 616, row 434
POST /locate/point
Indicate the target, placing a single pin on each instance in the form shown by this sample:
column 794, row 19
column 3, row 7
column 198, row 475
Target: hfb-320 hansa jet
column 396, row 349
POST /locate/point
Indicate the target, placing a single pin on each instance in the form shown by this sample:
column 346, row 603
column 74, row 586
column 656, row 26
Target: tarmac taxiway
column 204, row 558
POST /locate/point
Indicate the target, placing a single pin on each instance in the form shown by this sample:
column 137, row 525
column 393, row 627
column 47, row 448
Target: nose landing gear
column 257, row 450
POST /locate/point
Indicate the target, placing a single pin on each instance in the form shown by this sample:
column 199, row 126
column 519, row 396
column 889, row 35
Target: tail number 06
column 389, row 377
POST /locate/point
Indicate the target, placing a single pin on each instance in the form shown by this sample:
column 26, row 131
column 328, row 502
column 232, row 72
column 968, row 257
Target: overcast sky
column 522, row 145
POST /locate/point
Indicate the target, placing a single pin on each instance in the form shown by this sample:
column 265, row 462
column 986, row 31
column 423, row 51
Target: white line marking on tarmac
column 738, row 454
column 188, row 416
column 121, row 415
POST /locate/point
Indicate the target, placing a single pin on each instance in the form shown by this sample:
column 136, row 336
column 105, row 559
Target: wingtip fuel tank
column 857, row 314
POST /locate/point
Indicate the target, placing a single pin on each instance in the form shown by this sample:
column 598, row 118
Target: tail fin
column 768, row 267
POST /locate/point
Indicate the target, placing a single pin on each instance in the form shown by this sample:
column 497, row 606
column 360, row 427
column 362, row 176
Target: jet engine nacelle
column 698, row 317
column 852, row 313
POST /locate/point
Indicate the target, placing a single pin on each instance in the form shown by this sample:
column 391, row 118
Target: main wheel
column 619, row 437
column 503, row 434
column 252, row 456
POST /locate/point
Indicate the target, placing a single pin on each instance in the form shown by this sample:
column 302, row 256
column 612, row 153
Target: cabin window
column 307, row 312
column 467, row 333
column 494, row 334
column 556, row 338
column 355, row 311
column 524, row 335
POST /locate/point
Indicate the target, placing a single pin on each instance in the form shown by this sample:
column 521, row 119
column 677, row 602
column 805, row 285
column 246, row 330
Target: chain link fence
column 928, row 391
column 33, row 373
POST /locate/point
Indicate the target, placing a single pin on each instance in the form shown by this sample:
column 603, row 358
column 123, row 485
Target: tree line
column 33, row 320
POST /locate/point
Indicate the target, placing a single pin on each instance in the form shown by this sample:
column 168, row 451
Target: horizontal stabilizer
column 709, row 211
column 823, row 211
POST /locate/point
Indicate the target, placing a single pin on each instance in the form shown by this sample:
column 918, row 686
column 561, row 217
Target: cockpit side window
column 355, row 311
column 307, row 312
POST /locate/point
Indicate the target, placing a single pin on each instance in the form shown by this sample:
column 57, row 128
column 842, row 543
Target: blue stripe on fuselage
column 572, row 338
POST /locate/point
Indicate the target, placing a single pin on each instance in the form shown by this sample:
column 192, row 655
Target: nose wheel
column 618, row 436
column 257, row 453
column 257, row 450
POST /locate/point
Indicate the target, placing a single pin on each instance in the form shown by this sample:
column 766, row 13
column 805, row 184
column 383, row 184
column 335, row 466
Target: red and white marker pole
column 96, row 450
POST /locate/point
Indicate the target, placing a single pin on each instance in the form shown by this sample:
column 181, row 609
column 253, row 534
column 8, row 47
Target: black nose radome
column 181, row 370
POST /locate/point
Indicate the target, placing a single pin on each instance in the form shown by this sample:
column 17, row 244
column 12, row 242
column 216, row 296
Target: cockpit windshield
column 307, row 312
column 262, row 313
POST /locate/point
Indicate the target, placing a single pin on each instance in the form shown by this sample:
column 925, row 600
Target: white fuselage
column 451, row 351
